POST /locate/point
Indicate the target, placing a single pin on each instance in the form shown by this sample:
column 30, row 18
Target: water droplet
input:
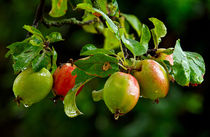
column 140, row 96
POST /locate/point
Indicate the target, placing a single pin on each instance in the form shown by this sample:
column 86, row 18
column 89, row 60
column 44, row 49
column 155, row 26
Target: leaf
column 23, row 60
column 41, row 61
column 188, row 68
column 113, row 8
column 197, row 67
column 110, row 41
column 70, row 106
column 135, row 23
column 69, row 102
column 82, row 76
column 181, row 69
column 90, row 49
column 54, row 37
column 33, row 30
column 145, row 38
column 36, row 40
column 101, row 5
column 100, row 65
column 109, row 22
column 16, row 48
column 168, row 51
column 97, row 95
column 85, row 6
column 90, row 27
column 59, row 8
column 134, row 46
column 54, row 60
column 158, row 31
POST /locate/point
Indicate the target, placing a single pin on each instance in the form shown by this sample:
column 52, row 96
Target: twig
column 62, row 22
column 38, row 15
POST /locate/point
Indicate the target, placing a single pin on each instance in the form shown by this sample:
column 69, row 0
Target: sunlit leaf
column 135, row 23
column 41, row 61
column 54, row 37
column 197, row 67
column 33, row 30
column 36, row 40
column 158, row 31
column 59, row 8
column 110, row 41
column 181, row 69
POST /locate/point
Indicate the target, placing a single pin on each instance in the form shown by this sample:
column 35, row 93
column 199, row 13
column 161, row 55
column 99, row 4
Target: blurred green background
column 185, row 112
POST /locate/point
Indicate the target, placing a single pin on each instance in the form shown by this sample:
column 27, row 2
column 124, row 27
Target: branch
column 62, row 22
column 38, row 15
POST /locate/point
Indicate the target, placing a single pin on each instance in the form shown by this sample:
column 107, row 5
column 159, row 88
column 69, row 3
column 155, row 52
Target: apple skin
column 152, row 78
column 163, row 56
column 64, row 80
column 31, row 87
column 121, row 93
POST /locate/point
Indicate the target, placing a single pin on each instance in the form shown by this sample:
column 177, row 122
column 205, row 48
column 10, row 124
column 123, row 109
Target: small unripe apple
column 31, row 87
column 152, row 78
column 121, row 93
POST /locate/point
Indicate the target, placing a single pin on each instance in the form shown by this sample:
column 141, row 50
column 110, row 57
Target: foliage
column 37, row 52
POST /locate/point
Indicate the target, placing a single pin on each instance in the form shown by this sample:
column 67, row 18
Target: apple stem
column 17, row 100
column 157, row 101
column 117, row 114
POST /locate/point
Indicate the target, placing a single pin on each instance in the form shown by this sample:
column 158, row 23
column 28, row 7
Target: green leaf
column 135, row 23
column 59, row 8
column 113, row 8
column 134, row 46
column 69, row 102
column 33, row 30
column 158, row 31
column 90, row 27
column 41, row 61
column 90, row 49
column 168, row 51
column 110, row 41
column 54, row 60
column 36, row 40
column 101, row 5
column 188, row 68
column 16, row 48
column 82, row 76
column 97, row 95
column 23, row 60
column 109, row 22
column 145, row 38
column 85, row 6
column 181, row 69
column 54, row 37
column 70, row 106
column 100, row 65
column 197, row 67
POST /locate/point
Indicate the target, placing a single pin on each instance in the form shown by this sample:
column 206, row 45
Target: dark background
column 184, row 112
